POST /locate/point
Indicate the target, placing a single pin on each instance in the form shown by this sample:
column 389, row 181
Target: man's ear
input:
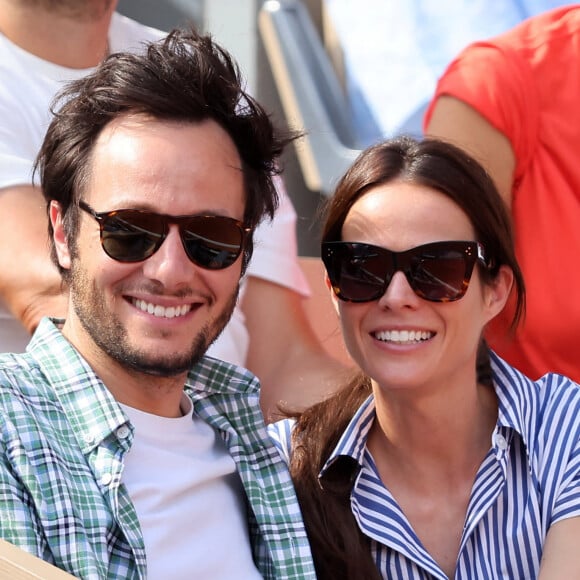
column 59, row 236
column 498, row 291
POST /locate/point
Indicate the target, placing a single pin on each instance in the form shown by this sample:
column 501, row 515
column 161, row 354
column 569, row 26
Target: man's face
column 160, row 315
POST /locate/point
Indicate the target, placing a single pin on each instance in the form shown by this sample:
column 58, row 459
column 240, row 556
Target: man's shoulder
column 15, row 366
column 48, row 359
column 25, row 395
column 20, row 374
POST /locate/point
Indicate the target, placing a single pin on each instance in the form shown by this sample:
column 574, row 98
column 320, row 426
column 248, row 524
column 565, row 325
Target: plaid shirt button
column 123, row 432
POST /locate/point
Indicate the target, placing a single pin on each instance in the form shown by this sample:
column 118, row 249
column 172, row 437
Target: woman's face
column 400, row 340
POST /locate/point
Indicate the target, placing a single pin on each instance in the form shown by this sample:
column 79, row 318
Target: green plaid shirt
column 61, row 496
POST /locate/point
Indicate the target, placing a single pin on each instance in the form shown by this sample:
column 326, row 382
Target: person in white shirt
column 44, row 44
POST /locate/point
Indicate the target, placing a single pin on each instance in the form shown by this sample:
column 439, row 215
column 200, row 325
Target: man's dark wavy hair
column 186, row 77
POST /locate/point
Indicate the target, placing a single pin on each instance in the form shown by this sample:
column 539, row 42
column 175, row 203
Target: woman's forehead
column 402, row 214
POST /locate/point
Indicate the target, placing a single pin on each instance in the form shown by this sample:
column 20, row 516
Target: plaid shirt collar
column 227, row 398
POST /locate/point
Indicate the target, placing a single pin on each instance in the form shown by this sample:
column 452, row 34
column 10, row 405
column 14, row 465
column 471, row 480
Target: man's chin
column 151, row 363
column 160, row 368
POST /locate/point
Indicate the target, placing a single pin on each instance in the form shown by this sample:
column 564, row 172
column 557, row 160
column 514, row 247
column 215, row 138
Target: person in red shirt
column 512, row 102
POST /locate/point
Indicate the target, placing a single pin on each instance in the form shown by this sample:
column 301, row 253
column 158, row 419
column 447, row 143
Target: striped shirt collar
column 513, row 390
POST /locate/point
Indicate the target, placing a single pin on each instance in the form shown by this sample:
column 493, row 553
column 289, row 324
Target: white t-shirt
column 189, row 499
column 28, row 85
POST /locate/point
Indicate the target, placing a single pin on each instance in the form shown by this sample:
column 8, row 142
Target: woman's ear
column 497, row 292
column 59, row 235
column 332, row 294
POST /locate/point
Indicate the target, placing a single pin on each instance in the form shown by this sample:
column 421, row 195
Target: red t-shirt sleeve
column 498, row 84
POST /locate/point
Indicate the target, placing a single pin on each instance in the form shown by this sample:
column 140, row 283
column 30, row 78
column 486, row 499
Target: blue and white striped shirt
column 529, row 480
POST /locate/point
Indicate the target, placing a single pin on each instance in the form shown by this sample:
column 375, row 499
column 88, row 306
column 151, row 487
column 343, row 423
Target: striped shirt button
column 106, row 478
column 500, row 441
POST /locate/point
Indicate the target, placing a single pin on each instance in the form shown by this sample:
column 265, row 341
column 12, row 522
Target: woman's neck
column 434, row 436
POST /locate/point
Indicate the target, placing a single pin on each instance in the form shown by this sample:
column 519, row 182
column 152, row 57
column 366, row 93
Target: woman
column 417, row 469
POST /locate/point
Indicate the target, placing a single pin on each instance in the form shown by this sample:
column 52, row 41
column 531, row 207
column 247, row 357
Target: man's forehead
column 139, row 156
column 140, row 126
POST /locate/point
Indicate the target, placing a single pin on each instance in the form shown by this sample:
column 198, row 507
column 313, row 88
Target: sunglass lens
column 132, row 236
column 441, row 277
column 213, row 242
column 357, row 272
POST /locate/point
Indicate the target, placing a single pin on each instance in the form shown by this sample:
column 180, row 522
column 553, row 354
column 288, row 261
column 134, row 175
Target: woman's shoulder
column 546, row 411
column 548, row 389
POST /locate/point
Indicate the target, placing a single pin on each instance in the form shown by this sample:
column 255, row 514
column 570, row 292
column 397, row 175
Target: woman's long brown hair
column 340, row 549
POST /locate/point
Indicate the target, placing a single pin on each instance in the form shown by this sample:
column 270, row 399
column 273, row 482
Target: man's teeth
column 162, row 311
column 403, row 336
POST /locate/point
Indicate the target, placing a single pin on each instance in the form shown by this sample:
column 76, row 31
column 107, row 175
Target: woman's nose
column 399, row 293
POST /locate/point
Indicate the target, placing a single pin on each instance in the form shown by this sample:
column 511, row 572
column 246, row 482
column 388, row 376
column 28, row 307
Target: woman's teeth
column 403, row 336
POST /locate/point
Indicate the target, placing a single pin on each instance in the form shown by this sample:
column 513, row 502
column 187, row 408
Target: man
column 44, row 43
column 125, row 453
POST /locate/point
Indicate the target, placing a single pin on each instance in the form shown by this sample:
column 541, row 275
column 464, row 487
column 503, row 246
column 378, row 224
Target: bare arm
column 284, row 352
column 29, row 283
column 561, row 556
column 460, row 124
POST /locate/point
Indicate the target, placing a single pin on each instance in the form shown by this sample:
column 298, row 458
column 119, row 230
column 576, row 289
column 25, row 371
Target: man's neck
column 75, row 41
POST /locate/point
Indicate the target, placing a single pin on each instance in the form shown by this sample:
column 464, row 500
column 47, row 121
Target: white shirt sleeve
column 24, row 120
column 275, row 257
